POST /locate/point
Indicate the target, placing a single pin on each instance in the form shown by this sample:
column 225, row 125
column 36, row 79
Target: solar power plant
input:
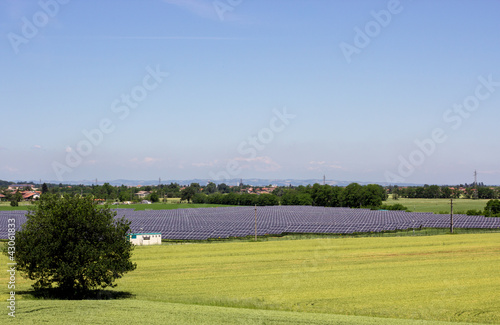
column 225, row 222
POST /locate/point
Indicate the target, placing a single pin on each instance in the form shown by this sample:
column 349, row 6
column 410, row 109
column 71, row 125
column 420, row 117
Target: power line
column 475, row 185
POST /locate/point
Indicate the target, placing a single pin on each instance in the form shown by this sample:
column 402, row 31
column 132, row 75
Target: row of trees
column 124, row 193
column 114, row 193
column 353, row 195
column 445, row 192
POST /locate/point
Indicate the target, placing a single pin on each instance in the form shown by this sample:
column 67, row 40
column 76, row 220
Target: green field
column 397, row 280
column 5, row 206
column 439, row 205
column 165, row 206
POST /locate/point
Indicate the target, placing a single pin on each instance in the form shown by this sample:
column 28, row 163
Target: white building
column 145, row 239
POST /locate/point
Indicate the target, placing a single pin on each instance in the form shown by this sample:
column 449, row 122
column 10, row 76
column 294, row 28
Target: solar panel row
column 204, row 223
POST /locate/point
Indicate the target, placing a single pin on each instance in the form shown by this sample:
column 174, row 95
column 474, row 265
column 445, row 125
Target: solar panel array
column 224, row 222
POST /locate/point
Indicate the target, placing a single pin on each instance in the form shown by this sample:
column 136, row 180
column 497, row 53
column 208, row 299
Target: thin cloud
column 205, row 164
column 261, row 164
column 145, row 160
column 322, row 165
column 10, row 169
column 205, row 38
column 201, row 8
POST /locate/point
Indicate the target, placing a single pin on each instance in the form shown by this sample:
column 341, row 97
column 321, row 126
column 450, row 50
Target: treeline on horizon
column 467, row 191
column 353, row 195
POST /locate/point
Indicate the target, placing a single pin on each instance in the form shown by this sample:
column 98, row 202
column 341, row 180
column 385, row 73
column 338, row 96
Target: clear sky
column 398, row 91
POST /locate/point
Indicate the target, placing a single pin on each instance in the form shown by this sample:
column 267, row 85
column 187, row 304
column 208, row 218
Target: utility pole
column 451, row 216
column 256, row 222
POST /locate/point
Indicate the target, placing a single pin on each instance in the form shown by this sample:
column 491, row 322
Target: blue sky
column 397, row 91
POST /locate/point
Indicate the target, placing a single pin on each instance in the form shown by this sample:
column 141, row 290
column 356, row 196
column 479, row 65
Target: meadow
column 393, row 280
column 5, row 206
column 439, row 205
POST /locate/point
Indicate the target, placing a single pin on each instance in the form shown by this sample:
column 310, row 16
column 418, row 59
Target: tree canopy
column 188, row 193
column 72, row 245
column 492, row 208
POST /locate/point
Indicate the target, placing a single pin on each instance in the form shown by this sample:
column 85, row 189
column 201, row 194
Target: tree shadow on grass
column 57, row 294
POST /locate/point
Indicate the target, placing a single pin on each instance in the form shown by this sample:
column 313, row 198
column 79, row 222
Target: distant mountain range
column 204, row 181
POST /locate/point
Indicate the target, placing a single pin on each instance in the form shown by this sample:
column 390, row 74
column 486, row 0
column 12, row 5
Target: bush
column 199, row 198
column 397, row 206
column 153, row 197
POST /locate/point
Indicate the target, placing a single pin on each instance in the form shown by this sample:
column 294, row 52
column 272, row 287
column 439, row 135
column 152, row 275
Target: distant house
column 2, row 197
column 20, row 187
column 31, row 195
column 142, row 194
column 145, row 239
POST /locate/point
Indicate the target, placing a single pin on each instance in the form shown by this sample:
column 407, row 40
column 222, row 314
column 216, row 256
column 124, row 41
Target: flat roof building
column 145, row 238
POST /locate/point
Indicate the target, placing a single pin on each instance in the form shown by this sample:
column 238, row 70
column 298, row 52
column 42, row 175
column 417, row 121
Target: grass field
column 166, row 206
column 398, row 280
column 5, row 206
column 439, row 205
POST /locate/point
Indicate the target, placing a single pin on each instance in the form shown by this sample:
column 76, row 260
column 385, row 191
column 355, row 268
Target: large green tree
column 210, row 188
column 71, row 244
column 188, row 193
column 492, row 208
column 372, row 195
column 267, row 199
column 351, row 195
column 45, row 188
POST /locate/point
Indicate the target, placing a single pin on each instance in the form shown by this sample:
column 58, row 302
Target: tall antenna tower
column 324, row 179
column 475, row 185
